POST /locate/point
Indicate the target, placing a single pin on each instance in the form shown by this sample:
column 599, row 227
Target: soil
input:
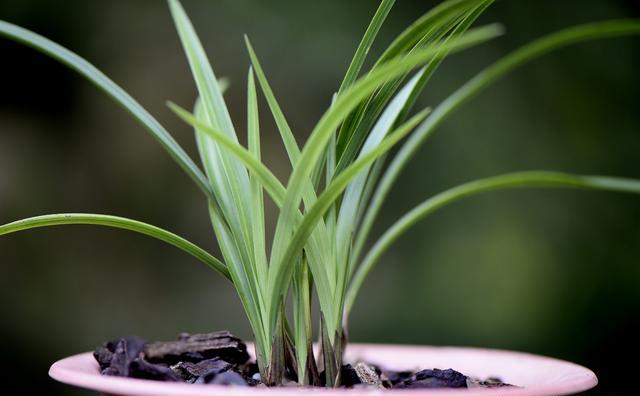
column 222, row 359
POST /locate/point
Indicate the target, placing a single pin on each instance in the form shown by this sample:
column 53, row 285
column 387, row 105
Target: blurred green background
column 550, row 272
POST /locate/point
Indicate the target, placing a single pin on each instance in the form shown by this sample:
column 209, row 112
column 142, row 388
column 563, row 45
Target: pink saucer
column 535, row 375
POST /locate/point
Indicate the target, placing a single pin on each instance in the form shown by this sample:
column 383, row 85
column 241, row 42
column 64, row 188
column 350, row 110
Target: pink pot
column 536, row 375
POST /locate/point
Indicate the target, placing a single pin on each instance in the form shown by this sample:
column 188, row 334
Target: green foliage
column 322, row 228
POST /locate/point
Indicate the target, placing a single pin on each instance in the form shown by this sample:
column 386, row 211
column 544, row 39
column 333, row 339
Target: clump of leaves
column 340, row 177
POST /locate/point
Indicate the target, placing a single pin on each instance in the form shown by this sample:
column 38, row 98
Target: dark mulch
column 222, row 359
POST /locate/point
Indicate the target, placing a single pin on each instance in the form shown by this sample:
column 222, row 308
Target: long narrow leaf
column 507, row 181
column 353, row 193
column 277, row 192
column 117, row 222
column 482, row 80
column 430, row 27
column 273, row 186
column 301, row 296
column 105, row 84
column 257, row 196
column 459, row 26
column 237, row 249
column 330, row 194
column 290, row 145
column 207, row 83
column 227, row 176
column 444, row 29
column 230, row 180
column 318, row 252
column 241, row 281
column 417, row 31
column 319, row 137
column 352, row 198
column 365, row 44
column 465, row 23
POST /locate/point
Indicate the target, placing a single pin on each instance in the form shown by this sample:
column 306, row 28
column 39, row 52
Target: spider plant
column 339, row 180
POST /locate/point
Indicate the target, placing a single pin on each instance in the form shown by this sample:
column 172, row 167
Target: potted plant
column 340, row 179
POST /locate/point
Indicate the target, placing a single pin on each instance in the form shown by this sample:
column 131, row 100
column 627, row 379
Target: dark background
column 549, row 272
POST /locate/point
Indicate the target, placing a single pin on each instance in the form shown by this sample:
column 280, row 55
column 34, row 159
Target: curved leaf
column 510, row 180
column 277, row 192
column 321, row 134
column 271, row 183
column 365, row 44
column 444, row 21
column 325, row 200
column 117, row 222
column 103, row 82
column 483, row 79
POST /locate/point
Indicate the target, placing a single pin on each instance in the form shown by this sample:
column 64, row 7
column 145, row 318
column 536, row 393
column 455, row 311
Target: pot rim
column 549, row 376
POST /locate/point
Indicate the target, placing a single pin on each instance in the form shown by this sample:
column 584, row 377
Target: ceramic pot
column 535, row 375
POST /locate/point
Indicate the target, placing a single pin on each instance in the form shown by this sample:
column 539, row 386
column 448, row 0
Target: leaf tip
column 170, row 104
column 179, row 111
column 174, row 5
column 247, row 43
column 424, row 113
column 498, row 28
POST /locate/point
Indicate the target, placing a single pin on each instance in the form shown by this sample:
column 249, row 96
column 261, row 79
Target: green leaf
column 271, row 183
column 105, row 84
column 429, row 29
column 459, row 27
column 325, row 200
column 205, row 78
column 365, row 44
column 427, row 24
column 482, row 80
column 510, row 180
column 318, row 251
column 353, row 193
column 117, row 222
column 288, row 139
column 301, row 298
column 235, row 264
column 228, row 177
column 257, row 198
column 320, row 244
column 352, row 199
column 316, row 143
column 236, row 248
column 277, row 193
column 224, row 83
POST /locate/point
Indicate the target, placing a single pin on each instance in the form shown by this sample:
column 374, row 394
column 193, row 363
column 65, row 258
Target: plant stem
column 331, row 355
column 276, row 364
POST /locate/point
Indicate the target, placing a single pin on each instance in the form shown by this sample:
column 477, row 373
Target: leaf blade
column 327, row 124
column 257, row 197
column 320, row 244
column 510, row 180
column 365, row 44
column 121, row 223
column 482, row 80
column 228, row 178
column 104, row 83
column 273, row 186
column 323, row 203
